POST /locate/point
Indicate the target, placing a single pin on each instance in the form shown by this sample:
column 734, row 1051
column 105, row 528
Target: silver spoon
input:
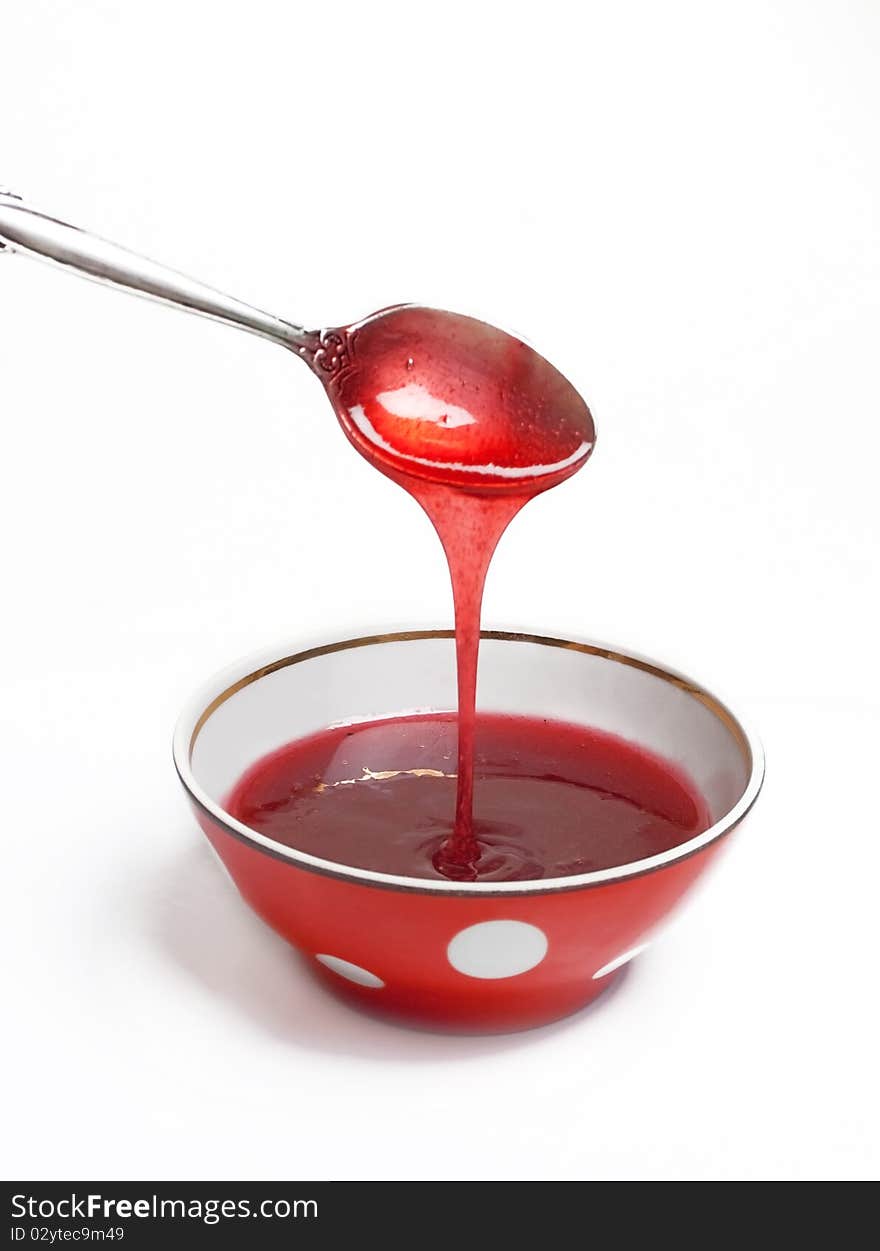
column 421, row 393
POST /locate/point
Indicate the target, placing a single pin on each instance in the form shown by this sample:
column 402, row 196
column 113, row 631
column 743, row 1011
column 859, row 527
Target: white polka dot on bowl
column 619, row 961
column 495, row 949
column 351, row 972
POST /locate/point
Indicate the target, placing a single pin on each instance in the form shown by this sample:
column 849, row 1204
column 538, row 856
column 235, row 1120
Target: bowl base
column 468, row 1020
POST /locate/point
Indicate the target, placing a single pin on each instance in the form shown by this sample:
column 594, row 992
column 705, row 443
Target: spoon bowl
column 446, row 398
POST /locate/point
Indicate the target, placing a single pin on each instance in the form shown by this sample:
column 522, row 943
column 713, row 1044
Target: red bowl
column 467, row 956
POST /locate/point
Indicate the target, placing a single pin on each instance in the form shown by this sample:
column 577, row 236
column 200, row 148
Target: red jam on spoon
column 446, row 398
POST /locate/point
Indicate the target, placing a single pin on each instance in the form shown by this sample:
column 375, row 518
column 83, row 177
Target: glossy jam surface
column 447, row 398
column 550, row 799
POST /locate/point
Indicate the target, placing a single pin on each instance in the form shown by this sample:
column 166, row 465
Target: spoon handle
column 23, row 229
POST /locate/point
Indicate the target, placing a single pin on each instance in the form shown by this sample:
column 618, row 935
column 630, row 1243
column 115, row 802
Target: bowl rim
column 223, row 685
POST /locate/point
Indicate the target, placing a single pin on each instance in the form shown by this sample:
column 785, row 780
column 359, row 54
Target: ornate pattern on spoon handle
column 327, row 352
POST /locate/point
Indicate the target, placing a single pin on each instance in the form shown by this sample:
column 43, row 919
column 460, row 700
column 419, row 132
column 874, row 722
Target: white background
column 678, row 203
